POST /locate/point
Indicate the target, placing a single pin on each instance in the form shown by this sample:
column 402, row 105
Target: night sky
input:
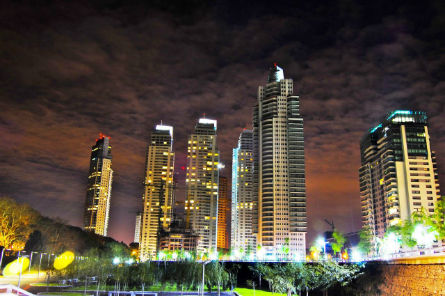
column 71, row 70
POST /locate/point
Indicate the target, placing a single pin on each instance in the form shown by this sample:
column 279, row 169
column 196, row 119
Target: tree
column 16, row 222
column 435, row 220
column 339, row 241
column 328, row 273
column 216, row 275
column 35, row 242
column 365, row 244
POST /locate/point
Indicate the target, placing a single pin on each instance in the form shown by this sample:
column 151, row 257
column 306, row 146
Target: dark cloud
column 70, row 70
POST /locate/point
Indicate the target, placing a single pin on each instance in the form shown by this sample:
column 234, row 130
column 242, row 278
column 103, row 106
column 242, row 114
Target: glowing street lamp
column 116, row 260
column 320, row 242
column 424, row 236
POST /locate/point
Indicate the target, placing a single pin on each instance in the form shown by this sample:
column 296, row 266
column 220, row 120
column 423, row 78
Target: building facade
column 279, row 170
column 201, row 204
column 398, row 173
column 223, row 215
column 100, row 178
column 243, row 199
column 158, row 199
column 137, row 228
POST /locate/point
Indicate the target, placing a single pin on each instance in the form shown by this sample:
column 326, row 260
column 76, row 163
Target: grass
column 249, row 292
column 62, row 293
column 153, row 288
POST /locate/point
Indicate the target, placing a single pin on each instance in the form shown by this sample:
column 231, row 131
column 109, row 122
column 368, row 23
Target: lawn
column 249, row 292
column 62, row 293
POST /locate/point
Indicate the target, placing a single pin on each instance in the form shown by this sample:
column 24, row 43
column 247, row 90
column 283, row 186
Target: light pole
column 20, row 274
column 204, row 263
column 40, row 264
column 30, row 261
column 1, row 258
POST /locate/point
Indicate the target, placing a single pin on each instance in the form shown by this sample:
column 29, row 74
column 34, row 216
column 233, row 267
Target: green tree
column 329, row 273
column 435, row 220
column 216, row 275
column 339, row 241
column 365, row 243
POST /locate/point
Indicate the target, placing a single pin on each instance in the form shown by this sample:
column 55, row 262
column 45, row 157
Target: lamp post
column 1, row 258
column 30, row 261
column 40, row 264
column 204, row 263
column 20, row 274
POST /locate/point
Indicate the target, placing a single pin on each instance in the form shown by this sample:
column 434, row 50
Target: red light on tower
column 102, row 136
column 275, row 65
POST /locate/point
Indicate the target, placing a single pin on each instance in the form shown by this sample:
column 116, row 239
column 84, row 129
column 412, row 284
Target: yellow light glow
column 63, row 260
column 15, row 266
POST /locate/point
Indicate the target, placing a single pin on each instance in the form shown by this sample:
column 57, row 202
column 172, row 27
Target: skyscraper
column 279, row 169
column 158, row 193
column 398, row 174
column 243, row 199
column 223, row 214
column 137, row 228
column 201, row 204
column 100, row 178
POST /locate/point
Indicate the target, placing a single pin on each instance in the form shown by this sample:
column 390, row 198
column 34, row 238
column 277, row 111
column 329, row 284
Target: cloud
column 68, row 72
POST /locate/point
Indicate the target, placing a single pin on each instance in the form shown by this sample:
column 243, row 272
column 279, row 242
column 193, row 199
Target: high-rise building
column 398, row 174
column 223, row 214
column 279, row 169
column 158, row 194
column 201, row 204
column 178, row 238
column 243, row 199
column 137, row 228
column 100, row 178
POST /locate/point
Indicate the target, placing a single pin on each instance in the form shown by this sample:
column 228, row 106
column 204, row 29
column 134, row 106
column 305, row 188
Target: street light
column 30, row 261
column 40, row 263
column 116, row 260
column 1, row 258
column 322, row 243
column 204, row 263
column 20, row 274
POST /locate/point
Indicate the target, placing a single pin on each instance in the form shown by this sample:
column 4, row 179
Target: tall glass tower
column 201, row 205
column 398, row 174
column 243, row 201
column 158, row 194
column 279, row 169
column 100, row 178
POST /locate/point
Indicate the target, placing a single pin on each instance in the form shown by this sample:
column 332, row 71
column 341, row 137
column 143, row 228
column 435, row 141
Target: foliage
column 339, row 241
column 365, row 243
column 404, row 230
column 293, row 277
column 16, row 222
column 216, row 275
column 435, row 220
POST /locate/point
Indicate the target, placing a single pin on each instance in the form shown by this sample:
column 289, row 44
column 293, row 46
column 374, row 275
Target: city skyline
column 119, row 72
